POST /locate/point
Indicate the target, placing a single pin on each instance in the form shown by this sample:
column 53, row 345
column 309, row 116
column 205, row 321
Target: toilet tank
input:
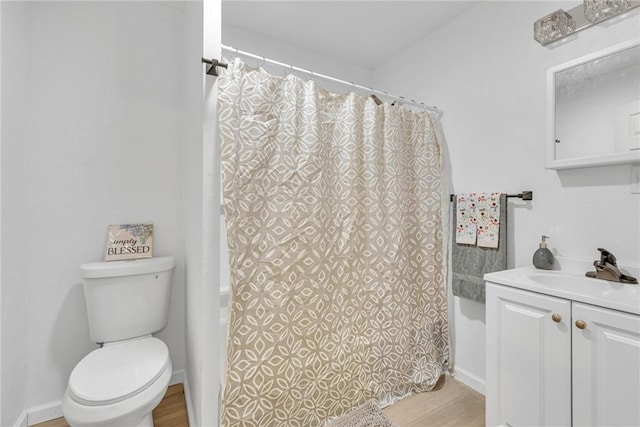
column 127, row 299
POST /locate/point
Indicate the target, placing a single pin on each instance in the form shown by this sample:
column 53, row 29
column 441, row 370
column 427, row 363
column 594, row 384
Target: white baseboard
column 177, row 377
column 52, row 410
column 187, row 398
column 470, row 380
column 45, row 412
column 22, row 420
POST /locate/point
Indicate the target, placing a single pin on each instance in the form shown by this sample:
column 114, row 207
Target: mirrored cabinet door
column 594, row 109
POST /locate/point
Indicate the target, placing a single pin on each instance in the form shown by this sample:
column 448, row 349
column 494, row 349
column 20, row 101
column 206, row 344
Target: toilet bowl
column 118, row 384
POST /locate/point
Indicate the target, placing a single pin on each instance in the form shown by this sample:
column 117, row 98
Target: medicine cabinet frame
column 612, row 158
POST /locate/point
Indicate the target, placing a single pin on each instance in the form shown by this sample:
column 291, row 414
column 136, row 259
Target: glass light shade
column 599, row 10
column 553, row 27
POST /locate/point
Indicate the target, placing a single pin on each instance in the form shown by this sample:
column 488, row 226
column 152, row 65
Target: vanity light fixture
column 553, row 27
column 599, row 10
column 560, row 23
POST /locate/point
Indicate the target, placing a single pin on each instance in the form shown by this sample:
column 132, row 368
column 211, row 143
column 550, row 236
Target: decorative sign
column 129, row 241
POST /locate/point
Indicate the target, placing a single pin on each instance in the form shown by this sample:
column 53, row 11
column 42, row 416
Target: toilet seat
column 117, row 372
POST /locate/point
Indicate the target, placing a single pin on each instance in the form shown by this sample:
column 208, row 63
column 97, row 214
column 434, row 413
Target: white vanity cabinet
column 528, row 358
column 558, row 361
column 605, row 366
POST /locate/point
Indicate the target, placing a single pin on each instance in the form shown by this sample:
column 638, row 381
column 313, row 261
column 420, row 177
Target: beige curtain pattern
column 333, row 211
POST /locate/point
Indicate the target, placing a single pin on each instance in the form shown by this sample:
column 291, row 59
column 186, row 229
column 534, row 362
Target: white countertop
column 572, row 284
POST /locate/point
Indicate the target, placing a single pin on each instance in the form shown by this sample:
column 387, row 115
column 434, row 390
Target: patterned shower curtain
column 333, row 211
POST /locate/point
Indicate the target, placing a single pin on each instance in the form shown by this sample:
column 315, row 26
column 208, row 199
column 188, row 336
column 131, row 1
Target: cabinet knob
column 581, row 324
column 556, row 317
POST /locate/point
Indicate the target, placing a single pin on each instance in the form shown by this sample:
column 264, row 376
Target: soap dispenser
column 543, row 258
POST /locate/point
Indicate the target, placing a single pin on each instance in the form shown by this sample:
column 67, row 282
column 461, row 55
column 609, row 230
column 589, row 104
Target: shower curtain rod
column 215, row 63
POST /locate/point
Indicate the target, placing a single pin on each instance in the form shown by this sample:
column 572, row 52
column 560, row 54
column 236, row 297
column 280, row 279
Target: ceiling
column 357, row 32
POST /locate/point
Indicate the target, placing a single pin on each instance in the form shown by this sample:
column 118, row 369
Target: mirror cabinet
column 593, row 111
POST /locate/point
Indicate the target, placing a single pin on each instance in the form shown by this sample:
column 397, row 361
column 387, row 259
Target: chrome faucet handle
column 607, row 257
column 607, row 269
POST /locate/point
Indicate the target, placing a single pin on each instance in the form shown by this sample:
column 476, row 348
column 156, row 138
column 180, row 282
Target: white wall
column 100, row 117
column 1, row 358
column 13, row 291
column 201, row 204
column 488, row 75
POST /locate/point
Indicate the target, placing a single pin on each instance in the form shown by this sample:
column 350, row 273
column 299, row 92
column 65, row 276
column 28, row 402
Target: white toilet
column 120, row 383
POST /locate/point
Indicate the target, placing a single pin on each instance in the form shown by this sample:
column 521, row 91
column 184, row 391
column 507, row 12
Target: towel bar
column 525, row 195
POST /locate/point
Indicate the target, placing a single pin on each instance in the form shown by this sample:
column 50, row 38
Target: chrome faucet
column 607, row 269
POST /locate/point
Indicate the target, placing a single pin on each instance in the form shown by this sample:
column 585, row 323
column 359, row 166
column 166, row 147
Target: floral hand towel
column 466, row 230
column 488, row 219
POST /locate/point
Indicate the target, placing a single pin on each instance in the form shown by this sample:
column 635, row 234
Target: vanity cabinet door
column 528, row 358
column 606, row 367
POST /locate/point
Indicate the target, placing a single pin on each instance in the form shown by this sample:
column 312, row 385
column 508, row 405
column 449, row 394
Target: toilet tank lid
column 94, row 270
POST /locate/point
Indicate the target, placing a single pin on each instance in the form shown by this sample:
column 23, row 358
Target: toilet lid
column 116, row 372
